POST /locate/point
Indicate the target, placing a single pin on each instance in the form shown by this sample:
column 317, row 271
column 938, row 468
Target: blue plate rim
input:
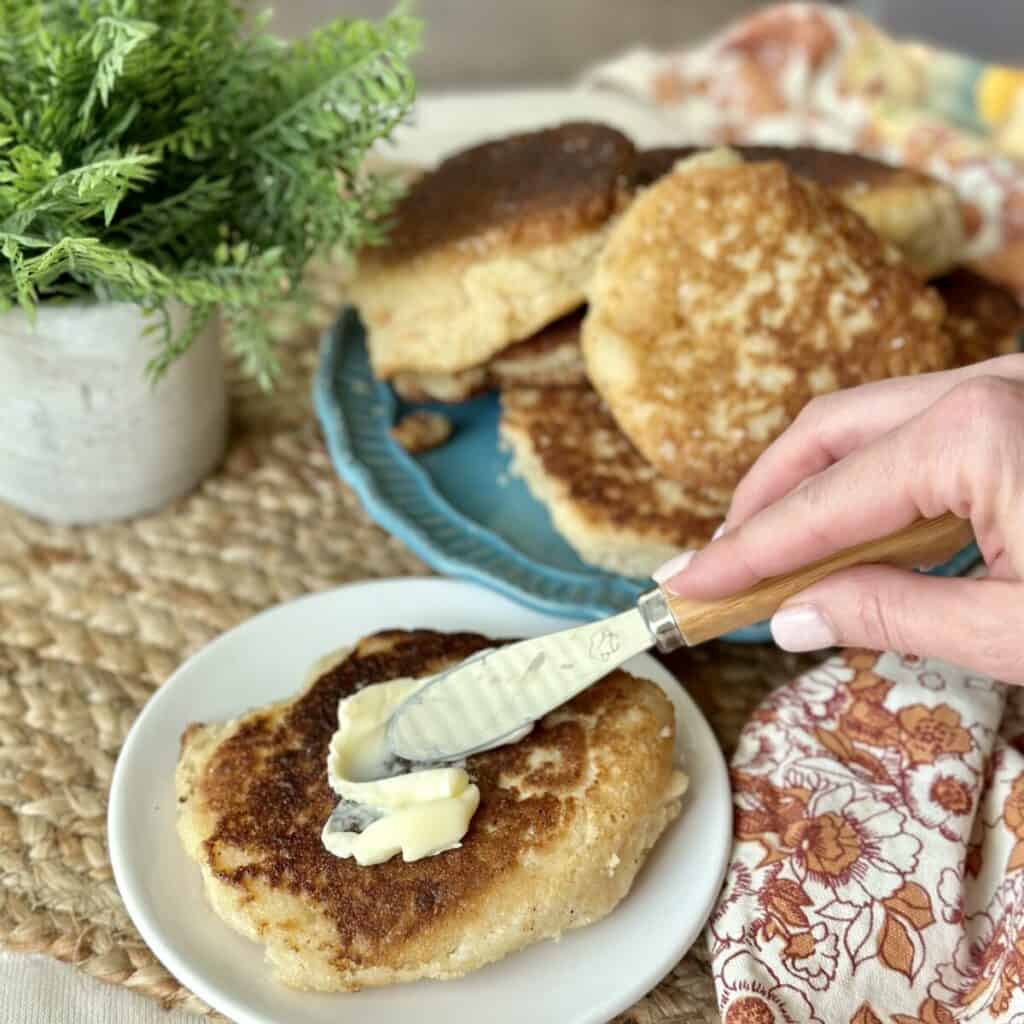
column 397, row 522
column 360, row 477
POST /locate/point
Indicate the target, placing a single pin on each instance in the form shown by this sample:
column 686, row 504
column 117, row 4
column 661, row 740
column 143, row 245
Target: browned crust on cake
column 619, row 487
column 487, row 249
column 530, row 189
column 261, row 797
column 267, row 787
column 983, row 319
column 570, row 438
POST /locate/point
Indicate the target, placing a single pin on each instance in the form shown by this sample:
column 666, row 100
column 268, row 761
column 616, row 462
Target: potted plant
column 165, row 167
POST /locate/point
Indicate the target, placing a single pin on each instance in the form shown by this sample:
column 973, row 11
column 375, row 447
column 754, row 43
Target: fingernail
column 718, row 533
column 802, row 628
column 673, row 567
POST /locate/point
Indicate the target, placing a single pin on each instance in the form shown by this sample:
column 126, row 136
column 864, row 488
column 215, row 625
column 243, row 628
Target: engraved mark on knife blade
column 604, row 645
column 539, row 658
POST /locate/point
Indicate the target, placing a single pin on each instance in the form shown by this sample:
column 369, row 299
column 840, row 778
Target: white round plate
column 589, row 976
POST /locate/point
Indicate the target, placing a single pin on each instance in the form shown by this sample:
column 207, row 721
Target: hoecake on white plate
column 589, row 976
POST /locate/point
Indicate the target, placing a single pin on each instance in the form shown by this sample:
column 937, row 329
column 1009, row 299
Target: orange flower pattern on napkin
column 805, row 73
column 878, row 871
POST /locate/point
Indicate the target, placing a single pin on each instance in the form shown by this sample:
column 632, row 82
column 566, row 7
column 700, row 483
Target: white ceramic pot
column 85, row 435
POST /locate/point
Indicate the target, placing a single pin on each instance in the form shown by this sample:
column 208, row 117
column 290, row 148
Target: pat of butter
column 420, row 813
column 416, row 831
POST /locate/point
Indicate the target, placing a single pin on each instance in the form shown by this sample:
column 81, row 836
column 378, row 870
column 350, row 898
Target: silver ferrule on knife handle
column 660, row 621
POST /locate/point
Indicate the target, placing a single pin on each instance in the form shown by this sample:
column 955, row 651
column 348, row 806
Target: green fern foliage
column 153, row 150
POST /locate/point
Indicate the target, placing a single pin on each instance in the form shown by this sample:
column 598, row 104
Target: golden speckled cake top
column 730, row 294
column 530, row 189
column 917, row 213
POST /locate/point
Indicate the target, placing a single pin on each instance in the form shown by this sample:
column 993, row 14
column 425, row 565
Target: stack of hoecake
column 655, row 320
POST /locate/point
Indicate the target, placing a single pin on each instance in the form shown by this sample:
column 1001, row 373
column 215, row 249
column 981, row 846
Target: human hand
column 860, row 464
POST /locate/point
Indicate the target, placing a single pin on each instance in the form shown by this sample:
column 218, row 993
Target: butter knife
column 492, row 698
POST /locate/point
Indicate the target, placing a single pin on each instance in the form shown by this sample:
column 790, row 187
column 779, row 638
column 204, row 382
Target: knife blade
column 483, row 701
column 493, row 697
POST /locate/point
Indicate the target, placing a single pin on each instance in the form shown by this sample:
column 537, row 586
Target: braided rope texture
column 92, row 620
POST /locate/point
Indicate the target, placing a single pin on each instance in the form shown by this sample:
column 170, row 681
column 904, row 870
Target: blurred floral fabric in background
column 806, row 73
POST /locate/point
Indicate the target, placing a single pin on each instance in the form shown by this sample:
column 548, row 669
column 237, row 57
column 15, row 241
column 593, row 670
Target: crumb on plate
column 422, row 430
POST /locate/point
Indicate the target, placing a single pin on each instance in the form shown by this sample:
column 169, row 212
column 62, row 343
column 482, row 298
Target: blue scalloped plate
column 458, row 506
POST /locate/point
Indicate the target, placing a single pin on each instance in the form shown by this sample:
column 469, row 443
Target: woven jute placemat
column 93, row 620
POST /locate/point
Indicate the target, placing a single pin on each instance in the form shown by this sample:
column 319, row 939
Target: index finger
column 832, row 427
column 827, row 430
column 874, row 491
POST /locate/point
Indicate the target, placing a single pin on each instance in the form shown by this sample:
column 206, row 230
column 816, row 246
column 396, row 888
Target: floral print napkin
column 815, row 74
column 878, row 868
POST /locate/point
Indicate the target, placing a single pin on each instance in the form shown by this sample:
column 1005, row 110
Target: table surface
column 39, row 988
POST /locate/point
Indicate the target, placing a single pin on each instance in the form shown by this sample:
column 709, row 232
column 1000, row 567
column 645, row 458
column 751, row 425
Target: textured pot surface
column 85, row 436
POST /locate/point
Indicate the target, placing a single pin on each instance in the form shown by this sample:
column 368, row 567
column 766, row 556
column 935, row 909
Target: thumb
column 975, row 623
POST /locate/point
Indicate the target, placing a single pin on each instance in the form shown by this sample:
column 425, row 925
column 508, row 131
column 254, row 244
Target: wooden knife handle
column 927, row 541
